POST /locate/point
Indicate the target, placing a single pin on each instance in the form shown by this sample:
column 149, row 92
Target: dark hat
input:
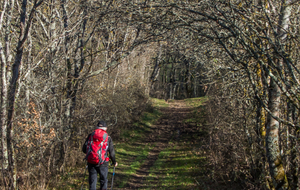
column 101, row 124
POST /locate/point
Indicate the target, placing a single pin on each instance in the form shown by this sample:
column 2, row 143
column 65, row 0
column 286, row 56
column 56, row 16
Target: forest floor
column 166, row 149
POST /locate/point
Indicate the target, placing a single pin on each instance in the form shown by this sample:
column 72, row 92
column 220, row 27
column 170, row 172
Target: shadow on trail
column 171, row 156
column 174, row 160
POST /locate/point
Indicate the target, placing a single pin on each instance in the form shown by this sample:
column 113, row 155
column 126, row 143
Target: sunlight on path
column 176, row 160
column 178, row 104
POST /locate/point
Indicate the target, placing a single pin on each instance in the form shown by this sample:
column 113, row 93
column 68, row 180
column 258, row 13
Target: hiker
column 99, row 148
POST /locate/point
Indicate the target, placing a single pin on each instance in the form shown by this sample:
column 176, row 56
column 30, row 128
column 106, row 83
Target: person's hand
column 116, row 164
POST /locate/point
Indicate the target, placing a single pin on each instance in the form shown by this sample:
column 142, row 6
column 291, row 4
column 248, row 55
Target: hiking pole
column 83, row 177
column 112, row 181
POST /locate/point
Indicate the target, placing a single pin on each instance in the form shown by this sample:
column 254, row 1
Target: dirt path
column 168, row 127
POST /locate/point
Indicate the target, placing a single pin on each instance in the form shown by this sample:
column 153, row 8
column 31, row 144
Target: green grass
column 196, row 102
column 149, row 118
column 132, row 151
column 130, row 159
column 177, row 167
column 180, row 166
column 159, row 102
column 198, row 114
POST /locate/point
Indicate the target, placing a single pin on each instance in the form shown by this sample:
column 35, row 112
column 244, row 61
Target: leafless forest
column 67, row 63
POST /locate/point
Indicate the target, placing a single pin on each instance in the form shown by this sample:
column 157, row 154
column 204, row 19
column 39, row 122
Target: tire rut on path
column 167, row 127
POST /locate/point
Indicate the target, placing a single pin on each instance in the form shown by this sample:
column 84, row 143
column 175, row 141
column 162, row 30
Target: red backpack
column 97, row 146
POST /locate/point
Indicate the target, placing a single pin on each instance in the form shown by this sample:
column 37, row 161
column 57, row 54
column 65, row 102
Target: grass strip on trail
column 182, row 164
column 132, row 150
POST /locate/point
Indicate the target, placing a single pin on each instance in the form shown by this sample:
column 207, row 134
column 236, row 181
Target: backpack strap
column 90, row 145
column 104, row 138
column 100, row 145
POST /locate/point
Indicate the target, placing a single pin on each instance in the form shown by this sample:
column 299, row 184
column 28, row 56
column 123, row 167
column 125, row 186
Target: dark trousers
column 94, row 170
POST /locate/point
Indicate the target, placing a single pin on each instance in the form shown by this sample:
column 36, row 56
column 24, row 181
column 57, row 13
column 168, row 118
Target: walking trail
column 172, row 134
column 168, row 127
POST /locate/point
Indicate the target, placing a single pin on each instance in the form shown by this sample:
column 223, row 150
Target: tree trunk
column 272, row 139
column 3, row 112
column 67, row 101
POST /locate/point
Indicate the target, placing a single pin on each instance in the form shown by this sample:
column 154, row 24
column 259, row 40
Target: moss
column 278, row 162
column 280, row 176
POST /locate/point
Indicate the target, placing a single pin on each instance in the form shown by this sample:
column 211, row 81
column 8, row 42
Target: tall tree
column 10, row 77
